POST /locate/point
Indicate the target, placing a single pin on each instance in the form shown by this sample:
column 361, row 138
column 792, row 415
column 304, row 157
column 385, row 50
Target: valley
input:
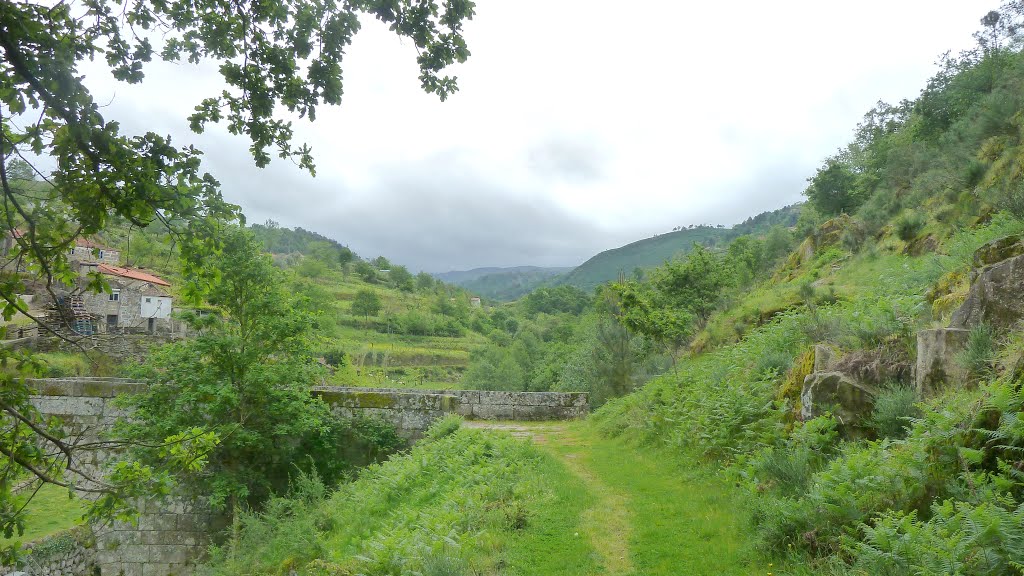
column 829, row 388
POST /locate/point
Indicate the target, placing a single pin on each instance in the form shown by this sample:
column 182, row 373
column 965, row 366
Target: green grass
column 682, row 518
column 49, row 512
column 551, row 544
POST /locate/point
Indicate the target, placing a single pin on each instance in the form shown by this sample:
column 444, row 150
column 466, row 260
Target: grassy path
column 640, row 512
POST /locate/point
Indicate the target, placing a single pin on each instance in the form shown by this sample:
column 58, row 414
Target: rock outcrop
column 996, row 297
column 849, row 401
column 937, row 367
column 997, row 251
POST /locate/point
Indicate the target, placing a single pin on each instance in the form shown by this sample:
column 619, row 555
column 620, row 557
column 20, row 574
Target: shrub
column 337, row 358
column 895, row 408
column 1012, row 201
column 909, row 225
column 773, row 362
column 787, row 469
column 985, row 539
column 446, row 426
column 979, row 355
column 345, row 444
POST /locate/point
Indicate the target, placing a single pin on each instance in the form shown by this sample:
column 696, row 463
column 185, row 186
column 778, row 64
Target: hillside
column 503, row 284
column 650, row 252
column 647, row 253
column 834, row 388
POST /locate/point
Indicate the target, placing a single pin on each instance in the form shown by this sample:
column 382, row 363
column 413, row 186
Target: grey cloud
column 576, row 159
column 437, row 215
column 437, row 220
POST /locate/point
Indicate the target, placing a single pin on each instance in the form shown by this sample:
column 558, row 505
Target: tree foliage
column 246, row 377
column 366, row 303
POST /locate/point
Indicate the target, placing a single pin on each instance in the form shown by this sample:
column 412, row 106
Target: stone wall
column 413, row 411
column 70, row 553
column 169, row 535
column 120, row 347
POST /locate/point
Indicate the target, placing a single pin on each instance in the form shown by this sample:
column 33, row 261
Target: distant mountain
column 651, row 252
column 645, row 253
column 503, row 284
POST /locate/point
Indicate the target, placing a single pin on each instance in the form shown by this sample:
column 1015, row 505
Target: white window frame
column 114, row 296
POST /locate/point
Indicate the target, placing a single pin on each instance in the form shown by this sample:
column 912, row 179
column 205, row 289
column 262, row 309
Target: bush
column 895, row 409
column 787, row 469
column 446, row 426
column 909, row 225
column 437, row 511
column 346, row 444
column 979, row 355
column 985, row 539
column 337, row 358
column 773, row 363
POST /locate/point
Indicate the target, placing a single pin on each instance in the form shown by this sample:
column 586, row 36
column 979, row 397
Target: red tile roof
column 133, row 274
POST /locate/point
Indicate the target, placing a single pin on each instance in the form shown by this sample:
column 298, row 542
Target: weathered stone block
column 129, row 569
column 152, row 569
column 497, row 397
column 937, row 366
column 995, row 297
column 534, row 412
column 835, row 392
column 823, row 357
column 493, row 412
column 169, row 554
column 998, row 250
column 468, row 396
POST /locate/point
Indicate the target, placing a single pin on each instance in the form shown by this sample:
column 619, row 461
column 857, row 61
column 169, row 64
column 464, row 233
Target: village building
column 137, row 302
column 86, row 250
column 13, row 260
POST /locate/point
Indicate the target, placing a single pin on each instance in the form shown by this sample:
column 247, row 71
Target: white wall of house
column 156, row 307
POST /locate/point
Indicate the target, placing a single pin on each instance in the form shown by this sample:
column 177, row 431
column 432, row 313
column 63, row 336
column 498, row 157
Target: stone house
column 7, row 247
column 138, row 301
column 86, row 250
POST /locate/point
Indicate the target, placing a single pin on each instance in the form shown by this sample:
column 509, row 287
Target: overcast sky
column 581, row 125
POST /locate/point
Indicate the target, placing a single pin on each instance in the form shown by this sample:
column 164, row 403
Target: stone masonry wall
column 70, row 553
column 413, row 411
column 169, row 535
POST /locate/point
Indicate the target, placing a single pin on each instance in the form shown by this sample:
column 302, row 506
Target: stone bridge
column 413, row 411
column 169, row 536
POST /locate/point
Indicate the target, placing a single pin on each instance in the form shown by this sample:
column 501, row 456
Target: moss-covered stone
column 374, row 399
column 998, row 250
column 948, row 294
column 830, row 232
column 794, row 380
column 98, row 390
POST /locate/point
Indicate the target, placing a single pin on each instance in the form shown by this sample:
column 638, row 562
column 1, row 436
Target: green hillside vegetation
column 506, row 284
column 609, row 265
column 377, row 323
column 634, row 259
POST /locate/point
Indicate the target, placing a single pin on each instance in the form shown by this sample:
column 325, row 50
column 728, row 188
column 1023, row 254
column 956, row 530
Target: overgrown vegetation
column 447, row 507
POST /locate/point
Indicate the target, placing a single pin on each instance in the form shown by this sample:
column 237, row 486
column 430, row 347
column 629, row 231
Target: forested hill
column 278, row 240
column 651, row 252
column 503, row 284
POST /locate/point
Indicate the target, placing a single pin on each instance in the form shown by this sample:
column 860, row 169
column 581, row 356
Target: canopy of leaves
column 246, row 377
